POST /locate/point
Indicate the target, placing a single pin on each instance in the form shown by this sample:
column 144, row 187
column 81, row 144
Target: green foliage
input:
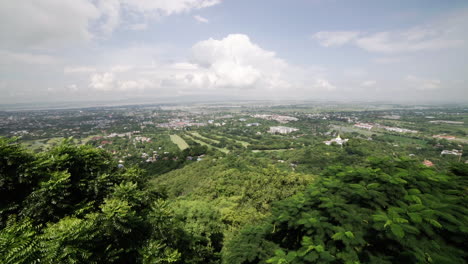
column 392, row 211
column 241, row 189
column 78, row 209
column 72, row 205
column 16, row 177
column 18, row 243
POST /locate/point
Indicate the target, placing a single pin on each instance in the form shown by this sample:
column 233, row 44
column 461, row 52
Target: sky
column 148, row 50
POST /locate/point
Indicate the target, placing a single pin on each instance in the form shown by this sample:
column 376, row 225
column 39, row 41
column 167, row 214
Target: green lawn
column 203, row 143
column 202, row 137
column 180, row 142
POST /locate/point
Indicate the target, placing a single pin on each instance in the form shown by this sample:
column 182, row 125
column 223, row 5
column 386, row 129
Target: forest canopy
column 73, row 204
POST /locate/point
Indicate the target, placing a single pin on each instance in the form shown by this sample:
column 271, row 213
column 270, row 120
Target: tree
column 391, row 211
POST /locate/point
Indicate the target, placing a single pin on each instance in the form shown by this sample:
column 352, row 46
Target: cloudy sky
column 79, row 50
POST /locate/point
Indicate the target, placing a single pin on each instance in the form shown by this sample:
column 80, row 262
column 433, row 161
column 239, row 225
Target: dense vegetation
column 73, row 204
column 389, row 211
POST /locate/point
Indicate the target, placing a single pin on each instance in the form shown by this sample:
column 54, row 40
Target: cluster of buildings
column 127, row 134
column 369, row 126
column 364, row 125
column 177, row 124
column 282, row 130
column 280, row 118
column 447, row 122
column 455, row 152
column 444, row 137
column 394, row 117
column 398, row 129
column 338, row 140
column 142, row 139
column 218, row 124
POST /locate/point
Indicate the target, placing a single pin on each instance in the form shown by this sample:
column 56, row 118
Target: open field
column 180, row 142
column 268, row 150
column 350, row 129
column 203, row 137
column 203, row 143
column 230, row 137
column 44, row 143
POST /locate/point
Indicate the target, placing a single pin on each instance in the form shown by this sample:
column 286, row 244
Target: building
column 253, row 124
column 364, row 125
column 452, row 152
column 447, row 122
column 428, row 163
column 444, row 137
column 399, row 130
column 282, row 130
column 338, row 140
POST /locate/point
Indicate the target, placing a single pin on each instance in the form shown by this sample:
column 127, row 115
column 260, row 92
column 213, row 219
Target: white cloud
column 231, row 64
column 133, row 85
column 42, row 23
column 57, row 23
column 335, row 38
column 449, row 32
column 201, row 19
column 416, row 39
column 422, row 84
column 110, row 10
column 103, row 81
column 168, row 7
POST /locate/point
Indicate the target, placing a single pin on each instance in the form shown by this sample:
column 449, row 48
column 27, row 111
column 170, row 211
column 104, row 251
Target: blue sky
column 85, row 50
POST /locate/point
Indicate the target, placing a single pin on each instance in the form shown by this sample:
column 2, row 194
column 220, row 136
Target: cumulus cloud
column 52, row 23
column 236, row 62
column 201, row 19
column 443, row 34
column 233, row 63
column 132, row 85
column 103, row 81
column 110, row 81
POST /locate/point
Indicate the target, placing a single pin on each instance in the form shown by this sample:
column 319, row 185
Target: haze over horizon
column 114, row 50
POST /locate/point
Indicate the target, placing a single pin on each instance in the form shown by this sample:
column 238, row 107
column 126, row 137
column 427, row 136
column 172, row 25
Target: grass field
column 44, row 143
column 180, row 142
column 203, row 137
column 219, row 137
column 203, row 143
column 350, row 129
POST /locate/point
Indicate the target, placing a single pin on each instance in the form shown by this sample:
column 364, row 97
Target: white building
column 253, row 124
column 364, row 125
column 338, row 140
column 282, row 129
column 452, row 152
